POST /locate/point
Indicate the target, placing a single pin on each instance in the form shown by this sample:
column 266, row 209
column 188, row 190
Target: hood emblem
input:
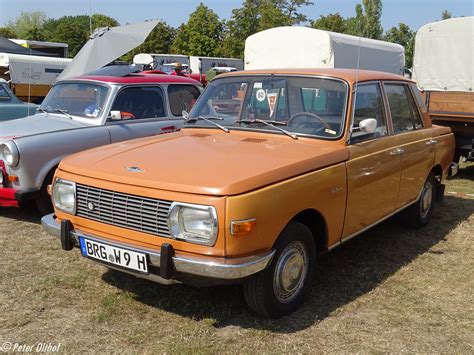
column 90, row 206
column 134, row 169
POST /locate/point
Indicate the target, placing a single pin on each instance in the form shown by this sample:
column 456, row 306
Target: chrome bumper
column 211, row 267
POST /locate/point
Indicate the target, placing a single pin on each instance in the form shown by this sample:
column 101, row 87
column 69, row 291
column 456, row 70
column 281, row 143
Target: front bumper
column 167, row 263
column 7, row 197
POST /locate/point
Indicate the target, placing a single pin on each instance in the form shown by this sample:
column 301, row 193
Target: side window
column 182, row 97
column 368, row 105
column 405, row 115
column 140, row 102
column 4, row 96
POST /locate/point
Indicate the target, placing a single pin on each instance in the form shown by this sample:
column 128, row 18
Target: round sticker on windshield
column 260, row 95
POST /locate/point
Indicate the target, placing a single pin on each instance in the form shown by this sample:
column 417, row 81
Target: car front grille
column 134, row 212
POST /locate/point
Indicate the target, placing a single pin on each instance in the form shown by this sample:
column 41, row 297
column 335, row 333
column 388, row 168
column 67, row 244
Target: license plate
column 110, row 254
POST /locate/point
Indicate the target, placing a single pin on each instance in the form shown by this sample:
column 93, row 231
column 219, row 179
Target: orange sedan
column 271, row 168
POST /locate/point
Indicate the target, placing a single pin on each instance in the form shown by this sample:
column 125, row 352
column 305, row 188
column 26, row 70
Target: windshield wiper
column 271, row 124
column 64, row 112
column 209, row 119
column 42, row 110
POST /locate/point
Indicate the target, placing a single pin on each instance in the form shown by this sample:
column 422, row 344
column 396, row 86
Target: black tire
column 418, row 215
column 265, row 291
column 43, row 202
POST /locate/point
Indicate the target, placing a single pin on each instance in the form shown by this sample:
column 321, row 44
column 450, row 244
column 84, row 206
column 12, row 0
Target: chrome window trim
column 139, row 85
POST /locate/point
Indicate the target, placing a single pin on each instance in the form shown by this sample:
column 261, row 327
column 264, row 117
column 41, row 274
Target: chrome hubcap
column 290, row 272
column 426, row 199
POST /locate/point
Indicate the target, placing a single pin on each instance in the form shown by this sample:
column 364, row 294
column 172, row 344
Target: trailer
column 30, row 77
column 443, row 69
column 304, row 47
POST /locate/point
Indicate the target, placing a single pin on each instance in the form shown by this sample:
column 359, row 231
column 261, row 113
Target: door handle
column 431, row 142
column 397, row 151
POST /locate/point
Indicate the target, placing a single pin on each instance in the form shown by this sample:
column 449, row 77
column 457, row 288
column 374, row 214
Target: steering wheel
column 313, row 116
column 150, row 66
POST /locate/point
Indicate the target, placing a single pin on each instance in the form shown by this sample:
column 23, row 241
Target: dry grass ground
column 389, row 290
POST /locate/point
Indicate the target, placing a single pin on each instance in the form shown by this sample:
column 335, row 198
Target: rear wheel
column 418, row 215
column 280, row 289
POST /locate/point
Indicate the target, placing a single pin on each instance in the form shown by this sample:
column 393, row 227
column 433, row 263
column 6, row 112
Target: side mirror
column 115, row 115
column 368, row 125
column 185, row 114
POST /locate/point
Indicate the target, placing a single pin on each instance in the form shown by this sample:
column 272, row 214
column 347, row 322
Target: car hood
column 39, row 123
column 206, row 162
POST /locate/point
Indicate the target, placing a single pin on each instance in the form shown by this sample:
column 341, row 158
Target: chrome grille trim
column 139, row 213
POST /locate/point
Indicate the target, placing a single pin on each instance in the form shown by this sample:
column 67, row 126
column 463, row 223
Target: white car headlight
column 64, row 195
column 9, row 153
column 193, row 223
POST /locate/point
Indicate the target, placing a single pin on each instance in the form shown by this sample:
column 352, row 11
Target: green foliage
column 372, row 27
column 404, row 36
column 7, row 32
column 28, row 25
column 332, row 22
column 74, row 30
column 446, row 15
column 355, row 25
column 158, row 41
column 201, row 35
column 255, row 16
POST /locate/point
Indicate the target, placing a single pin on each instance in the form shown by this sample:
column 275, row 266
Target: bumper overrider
column 166, row 266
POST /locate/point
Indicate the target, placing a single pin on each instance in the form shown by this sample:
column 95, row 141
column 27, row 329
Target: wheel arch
column 316, row 223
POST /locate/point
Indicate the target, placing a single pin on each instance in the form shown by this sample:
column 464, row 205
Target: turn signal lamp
column 242, row 227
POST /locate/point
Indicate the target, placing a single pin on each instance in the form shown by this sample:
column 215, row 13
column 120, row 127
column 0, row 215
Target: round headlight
column 64, row 195
column 193, row 223
column 9, row 153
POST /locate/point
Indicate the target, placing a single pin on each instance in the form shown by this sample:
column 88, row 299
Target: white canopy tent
column 444, row 55
column 303, row 47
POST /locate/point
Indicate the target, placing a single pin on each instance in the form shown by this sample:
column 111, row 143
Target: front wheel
column 418, row 215
column 280, row 289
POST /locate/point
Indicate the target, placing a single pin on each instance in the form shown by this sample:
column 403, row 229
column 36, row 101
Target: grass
column 389, row 290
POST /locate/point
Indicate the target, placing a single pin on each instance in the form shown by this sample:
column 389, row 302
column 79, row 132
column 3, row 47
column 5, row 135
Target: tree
column 28, row 25
column 7, row 32
column 446, row 15
column 74, row 30
column 259, row 15
column 201, row 35
column 355, row 25
column 372, row 13
column 404, row 36
column 366, row 23
column 290, row 9
column 332, row 22
column 158, row 41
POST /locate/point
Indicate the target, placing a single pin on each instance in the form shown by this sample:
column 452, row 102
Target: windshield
column 76, row 99
column 300, row 105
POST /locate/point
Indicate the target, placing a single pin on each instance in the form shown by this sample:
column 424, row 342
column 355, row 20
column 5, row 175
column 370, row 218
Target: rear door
column 144, row 112
column 414, row 141
column 373, row 169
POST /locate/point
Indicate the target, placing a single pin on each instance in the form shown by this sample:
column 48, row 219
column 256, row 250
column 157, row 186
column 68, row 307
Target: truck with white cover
column 304, row 47
column 443, row 68
column 31, row 77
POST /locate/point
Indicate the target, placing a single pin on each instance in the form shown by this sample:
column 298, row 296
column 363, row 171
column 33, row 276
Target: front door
column 144, row 113
column 373, row 169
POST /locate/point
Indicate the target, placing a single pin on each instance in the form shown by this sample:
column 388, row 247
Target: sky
column 414, row 13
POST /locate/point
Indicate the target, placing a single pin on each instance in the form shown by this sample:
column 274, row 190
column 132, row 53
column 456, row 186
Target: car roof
column 137, row 79
column 350, row 75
